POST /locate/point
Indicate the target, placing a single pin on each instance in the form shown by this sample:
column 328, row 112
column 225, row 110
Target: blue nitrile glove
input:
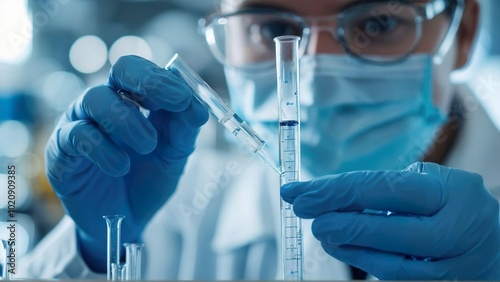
column 105, row 157
column 445, row 225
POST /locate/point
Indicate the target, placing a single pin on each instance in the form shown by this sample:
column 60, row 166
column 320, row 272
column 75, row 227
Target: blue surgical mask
column 354, row 116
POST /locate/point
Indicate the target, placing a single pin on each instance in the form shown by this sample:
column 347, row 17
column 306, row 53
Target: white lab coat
column 223, row 220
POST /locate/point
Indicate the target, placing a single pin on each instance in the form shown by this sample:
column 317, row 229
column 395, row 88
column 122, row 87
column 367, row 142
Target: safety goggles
column 380, row 32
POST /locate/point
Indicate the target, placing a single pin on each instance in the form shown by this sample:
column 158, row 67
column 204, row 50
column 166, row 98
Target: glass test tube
column 4, row 260
column 113, row 223
column 133, row 253
column 287, row 66
column 118, row 271
column 221, row 110
column 6, row 274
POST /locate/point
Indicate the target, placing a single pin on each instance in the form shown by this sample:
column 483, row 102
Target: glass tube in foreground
column 287, row 66
column 113, row 223
column 133, row 257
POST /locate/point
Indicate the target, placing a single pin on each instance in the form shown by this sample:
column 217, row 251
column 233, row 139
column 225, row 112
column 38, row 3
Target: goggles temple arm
column 450, row 36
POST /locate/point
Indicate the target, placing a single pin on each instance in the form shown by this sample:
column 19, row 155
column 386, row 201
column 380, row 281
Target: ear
column 467, row 32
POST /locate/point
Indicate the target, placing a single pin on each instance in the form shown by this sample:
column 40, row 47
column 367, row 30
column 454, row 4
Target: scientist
column 376, row 99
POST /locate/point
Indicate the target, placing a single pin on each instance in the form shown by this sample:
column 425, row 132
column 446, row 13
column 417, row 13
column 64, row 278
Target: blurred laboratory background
column 52, row 50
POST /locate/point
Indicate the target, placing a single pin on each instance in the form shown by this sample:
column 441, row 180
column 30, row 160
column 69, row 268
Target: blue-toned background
column 51, row 50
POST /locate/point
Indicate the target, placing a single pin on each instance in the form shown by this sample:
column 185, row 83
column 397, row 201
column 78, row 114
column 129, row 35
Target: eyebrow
column 262, row 5
column 270, row 6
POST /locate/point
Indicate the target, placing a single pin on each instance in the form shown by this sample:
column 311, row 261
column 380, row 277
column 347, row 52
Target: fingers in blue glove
column 443, row 214
column 418, row 236
column 151, row 86
column 397, row 191
column 179, row 130
column 380, row 264
column 84, row 139
column 473, row 265
column 116, row 117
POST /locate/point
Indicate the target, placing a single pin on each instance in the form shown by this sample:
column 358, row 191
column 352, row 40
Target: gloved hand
column 105, row 157
column 440, row 213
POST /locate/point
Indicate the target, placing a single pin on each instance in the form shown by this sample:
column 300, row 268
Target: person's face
column 322, row 42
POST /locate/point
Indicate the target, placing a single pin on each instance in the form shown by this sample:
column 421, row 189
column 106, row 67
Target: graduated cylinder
column 287, row 67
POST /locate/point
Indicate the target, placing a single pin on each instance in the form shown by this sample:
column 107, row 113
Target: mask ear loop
column 451, row 34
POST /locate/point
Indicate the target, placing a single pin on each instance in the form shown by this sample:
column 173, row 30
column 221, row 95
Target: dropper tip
column 263, row 156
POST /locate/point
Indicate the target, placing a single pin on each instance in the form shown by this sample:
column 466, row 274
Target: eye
column 373, row 25
column 273, row 28
column 374, row 31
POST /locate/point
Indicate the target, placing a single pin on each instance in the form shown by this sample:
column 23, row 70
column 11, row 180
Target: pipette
column 221, row 110
column 287, row 66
